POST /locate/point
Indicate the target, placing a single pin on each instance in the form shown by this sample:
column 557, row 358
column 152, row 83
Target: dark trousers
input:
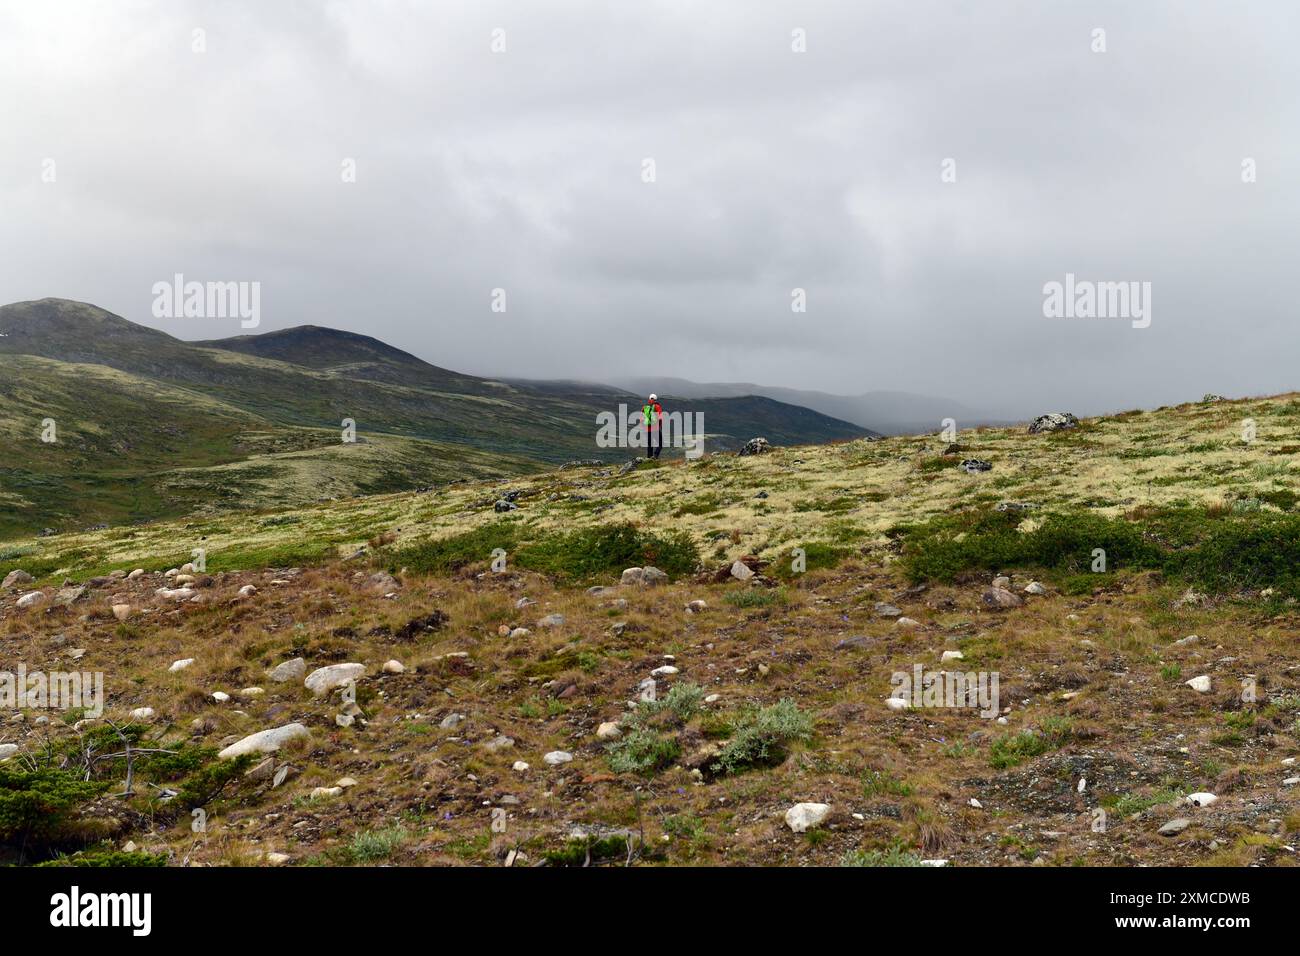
column 654, row 442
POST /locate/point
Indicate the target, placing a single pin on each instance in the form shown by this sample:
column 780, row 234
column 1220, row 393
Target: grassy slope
column 1093, row 681
column 131, row 449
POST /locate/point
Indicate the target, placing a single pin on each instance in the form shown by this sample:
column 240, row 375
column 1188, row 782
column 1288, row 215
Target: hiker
column 654, row 435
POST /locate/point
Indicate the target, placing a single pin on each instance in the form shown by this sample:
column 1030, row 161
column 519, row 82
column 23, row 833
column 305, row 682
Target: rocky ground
column 489, row 708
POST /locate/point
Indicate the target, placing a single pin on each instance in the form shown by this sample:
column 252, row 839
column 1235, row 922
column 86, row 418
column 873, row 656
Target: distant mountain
column 151, row 426
column 886, row 412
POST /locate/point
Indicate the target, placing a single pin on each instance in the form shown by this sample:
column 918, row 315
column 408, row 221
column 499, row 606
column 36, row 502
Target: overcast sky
column 774, row 170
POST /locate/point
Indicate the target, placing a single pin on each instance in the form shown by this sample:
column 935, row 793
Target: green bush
column 762, row 736
column 642, row 750
column 450, row 554
column 588, row 553
column 38, row 809
column 1214, row 550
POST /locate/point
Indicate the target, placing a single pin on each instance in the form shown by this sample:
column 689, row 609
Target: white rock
column 1033, row 587
column 713, row 698
column 248, row 590
column 137, row 573
column 295, row 669
column 952, row 656
column 1290, row 781
column 322, row 793
column 220, row 696
column 249, row 692
column 805, row 816
column 696, row 607
column 934, row 862
column 394, row 667
column 30, row 598
column 121, row 611
column 176, row 594
column 897, row 703
column 324, row 679
column 631, row 576
column 265, row 741
column 277, row 859
column 7, row 751
column 142, row 713
column 180, row 665
column 667, row 670
column 520, row 632
column 741, row 571
column 976, row 804
column 557, row 757
column 519, row 766
column 1201, row 799
column 609, row 730
column 551, row 620
column 906, row 622
column 1199, row 684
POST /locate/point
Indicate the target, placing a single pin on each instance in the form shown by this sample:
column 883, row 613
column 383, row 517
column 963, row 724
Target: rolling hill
column 152, row 426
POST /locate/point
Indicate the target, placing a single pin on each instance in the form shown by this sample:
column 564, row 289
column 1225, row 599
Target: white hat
column 654, row 397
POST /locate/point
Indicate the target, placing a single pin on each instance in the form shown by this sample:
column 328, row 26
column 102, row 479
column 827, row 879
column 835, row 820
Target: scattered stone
column 756, row 446
column 220, row 696
column 667, row 670
column 176, row 594
column 975, row 465
column 265, row 741
column 897, row 703
column 451, row 721
column 324, row 793
column 121, row 611
column 1175, row 826
column 137, row 573
column 907, row 622
column 1202, row 799
column 180, row 665
column 652, row 576
column 1053, row 422
column 804, row 816
column 16, row 578
column 696, row 607
column 1000, row 598
column 1002, row 581
column 325, row 679
column 290, row 670
column 519, row 766
column 394, row 667
column 741, row 571
column 248, row 590
column 557, row 757
column 1199, row 684
column 277, row 859
column 609, row 730
column 503, row 505
column 499, row 743
column 382, row 582
column 519, row 632
column 142, row 713
column 951, row 656
column 887, row 610
column 30, row 598
column 552, row 620
column 7, row 751
column 1033, row 587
